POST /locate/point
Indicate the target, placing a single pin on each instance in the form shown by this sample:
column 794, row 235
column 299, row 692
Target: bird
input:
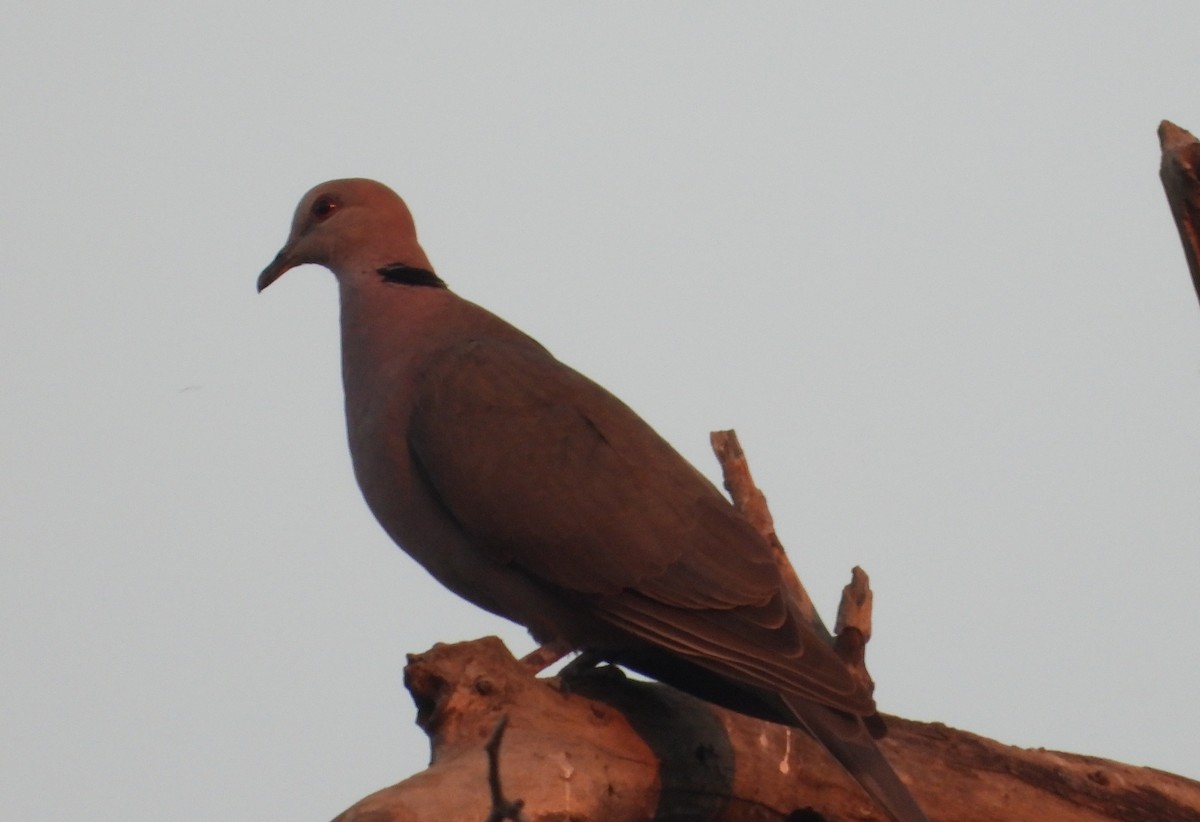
column 534, row 493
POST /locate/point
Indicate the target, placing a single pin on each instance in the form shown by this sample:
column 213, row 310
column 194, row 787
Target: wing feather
column 546, row 470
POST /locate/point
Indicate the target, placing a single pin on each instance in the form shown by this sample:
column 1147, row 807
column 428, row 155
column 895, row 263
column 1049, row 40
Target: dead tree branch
column 1180, row 174
column 609, row 749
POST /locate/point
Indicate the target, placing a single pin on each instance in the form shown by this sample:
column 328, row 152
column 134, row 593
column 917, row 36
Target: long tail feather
column 846, row 737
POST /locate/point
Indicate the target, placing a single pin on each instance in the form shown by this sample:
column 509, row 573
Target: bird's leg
column 580, row 665
column 546, row 655
column 587, row 664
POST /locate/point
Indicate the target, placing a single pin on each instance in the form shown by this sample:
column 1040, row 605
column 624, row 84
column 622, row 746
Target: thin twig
column 502, row 809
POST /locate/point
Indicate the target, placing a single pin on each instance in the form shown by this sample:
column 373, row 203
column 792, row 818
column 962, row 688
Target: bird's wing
column 546, row 470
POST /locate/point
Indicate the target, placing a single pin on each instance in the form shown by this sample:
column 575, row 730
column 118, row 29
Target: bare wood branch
column 1180, row 175
column 853, row 625
column 609, row 749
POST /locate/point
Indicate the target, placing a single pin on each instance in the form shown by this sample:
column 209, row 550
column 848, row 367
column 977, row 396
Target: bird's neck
column 390, row 329
column 386, row 327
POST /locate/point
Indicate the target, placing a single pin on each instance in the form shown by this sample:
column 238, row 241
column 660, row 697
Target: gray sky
column 919, row 258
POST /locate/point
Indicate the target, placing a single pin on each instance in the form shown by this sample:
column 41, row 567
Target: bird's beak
column 282, row 262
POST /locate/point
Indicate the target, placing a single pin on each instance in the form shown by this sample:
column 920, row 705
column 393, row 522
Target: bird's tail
column 846, row 737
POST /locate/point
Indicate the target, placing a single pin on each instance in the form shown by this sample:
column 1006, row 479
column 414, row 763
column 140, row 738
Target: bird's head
column 351, row 227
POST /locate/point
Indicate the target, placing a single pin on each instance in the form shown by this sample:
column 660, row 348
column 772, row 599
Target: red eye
column 324, row 207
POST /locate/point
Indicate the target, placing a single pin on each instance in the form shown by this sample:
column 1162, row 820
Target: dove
column 531, row 491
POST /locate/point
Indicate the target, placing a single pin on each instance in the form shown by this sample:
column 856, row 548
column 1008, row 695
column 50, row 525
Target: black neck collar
column 402, row 274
